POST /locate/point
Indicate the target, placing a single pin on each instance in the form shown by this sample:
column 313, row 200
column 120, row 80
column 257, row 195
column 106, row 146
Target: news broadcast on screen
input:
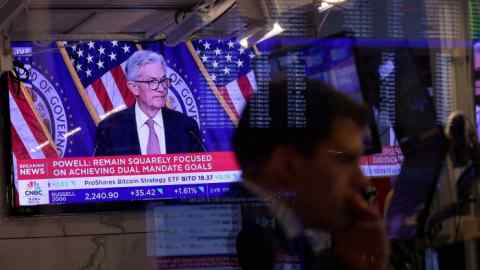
column 77, row 134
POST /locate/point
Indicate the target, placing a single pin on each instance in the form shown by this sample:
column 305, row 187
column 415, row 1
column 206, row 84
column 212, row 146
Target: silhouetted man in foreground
column 309, row 173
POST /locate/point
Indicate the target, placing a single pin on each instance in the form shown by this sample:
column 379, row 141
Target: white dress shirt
column 143, row 130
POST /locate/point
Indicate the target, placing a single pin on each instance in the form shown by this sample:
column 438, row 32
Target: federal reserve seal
column 50, row 108
column 47, row 101
column 180, row 97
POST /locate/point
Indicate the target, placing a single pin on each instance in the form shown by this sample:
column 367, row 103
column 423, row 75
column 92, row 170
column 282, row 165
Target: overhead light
column 244, row 42
column 253, row 30
column 276, row 30
column 324, row 6
column 327, row 4
column 334, row 2
column 258, row 34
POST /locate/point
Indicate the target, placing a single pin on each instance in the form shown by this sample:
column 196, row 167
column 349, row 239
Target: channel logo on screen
column 33, row 189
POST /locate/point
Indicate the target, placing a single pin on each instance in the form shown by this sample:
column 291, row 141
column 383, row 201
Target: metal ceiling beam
column 79, row 37
column 100, row 4
column 6, row 58
column 10, row 10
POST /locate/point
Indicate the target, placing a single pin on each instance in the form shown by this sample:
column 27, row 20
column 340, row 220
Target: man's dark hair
column 301, row 128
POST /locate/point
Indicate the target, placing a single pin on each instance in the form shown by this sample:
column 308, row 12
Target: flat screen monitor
column 77, row 114
column 79, row 142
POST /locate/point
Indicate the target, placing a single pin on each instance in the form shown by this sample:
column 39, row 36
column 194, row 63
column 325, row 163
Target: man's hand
column 364, row 244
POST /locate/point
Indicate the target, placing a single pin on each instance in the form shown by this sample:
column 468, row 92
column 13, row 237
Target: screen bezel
column 11, row 198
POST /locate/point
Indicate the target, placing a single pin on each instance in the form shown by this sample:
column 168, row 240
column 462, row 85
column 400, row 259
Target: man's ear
column 133, row 87
column 283, row 168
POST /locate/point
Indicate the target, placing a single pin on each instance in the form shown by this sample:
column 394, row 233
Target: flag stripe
column 78, row 84
column 226, row 97
column 219, row 94
column 112, row 90
column 32, row 121
column 102, row 95
column 391, row 136
column 47, row 144
column 245, row 87
column 252, row 80
column 94, row 101
column 19, row 123
column 121, row 80
column 236, row 96
column 15, row 180
column 18, row 147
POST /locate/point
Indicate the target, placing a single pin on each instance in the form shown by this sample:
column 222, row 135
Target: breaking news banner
column 125, row 178
column 133, row 178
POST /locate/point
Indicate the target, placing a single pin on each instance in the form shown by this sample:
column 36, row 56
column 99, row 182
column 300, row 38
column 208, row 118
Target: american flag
column 229, row 66
column 30, row 138
column 100, row 68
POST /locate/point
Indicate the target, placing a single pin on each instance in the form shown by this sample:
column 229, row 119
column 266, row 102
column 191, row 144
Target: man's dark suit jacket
column 258, row 242
column 257, row 247
column 117, row 134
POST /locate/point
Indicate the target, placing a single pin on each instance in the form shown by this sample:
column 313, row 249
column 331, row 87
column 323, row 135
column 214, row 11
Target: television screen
column 96, row 122
column 78, row 113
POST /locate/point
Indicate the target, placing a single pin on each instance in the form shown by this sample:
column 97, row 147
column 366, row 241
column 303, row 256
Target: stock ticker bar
column 124, row 178
column 72, row 196
column 137, row 178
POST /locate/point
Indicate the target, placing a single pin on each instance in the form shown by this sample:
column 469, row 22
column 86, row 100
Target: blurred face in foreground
column 328, row 184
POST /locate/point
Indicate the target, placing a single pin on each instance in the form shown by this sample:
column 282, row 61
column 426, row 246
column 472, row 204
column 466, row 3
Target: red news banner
column 44, row 169
column 386, row 163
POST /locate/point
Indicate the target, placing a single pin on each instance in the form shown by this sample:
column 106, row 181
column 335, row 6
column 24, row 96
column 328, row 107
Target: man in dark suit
column 309, row 175
column 148, row 127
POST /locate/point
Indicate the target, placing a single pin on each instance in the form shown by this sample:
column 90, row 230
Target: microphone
column 198, row 140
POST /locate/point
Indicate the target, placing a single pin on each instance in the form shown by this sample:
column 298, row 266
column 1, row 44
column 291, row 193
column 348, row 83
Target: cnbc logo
column 33, row 189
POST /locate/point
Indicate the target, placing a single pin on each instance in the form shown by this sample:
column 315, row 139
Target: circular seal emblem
column 180, row 98
column 48, row 104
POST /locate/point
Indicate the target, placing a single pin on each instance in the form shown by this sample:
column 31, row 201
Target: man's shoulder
column 173, row 116
column 120, row 116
